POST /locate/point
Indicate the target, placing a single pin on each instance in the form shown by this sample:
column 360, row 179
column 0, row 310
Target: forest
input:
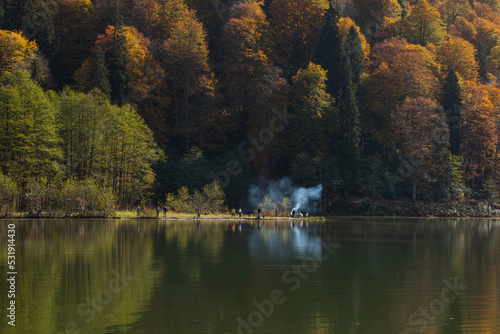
column 125, row 102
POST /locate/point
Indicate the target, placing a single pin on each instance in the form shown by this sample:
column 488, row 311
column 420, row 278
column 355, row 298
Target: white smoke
column 303, row 199
column 302, row 196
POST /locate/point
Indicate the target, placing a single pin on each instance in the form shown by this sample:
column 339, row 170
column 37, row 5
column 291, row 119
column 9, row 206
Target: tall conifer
column 452, row 104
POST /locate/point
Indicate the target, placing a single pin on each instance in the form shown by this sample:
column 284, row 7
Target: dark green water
column 340, row 276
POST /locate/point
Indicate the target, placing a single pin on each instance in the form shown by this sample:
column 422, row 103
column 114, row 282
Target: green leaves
column 211, row 198
column 74, row 135
column 29, row 143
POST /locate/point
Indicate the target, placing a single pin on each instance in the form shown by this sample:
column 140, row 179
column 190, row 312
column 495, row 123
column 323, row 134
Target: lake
column 349, row 275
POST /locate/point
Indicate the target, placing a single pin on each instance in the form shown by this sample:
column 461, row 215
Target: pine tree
column 118, row 68
column 452, row 104
column 482, row 60
column 328, row 53
column 349, row 128
column 353, row 51
column 36, row 71
column 21, row 14
column 3, row 13
column 118, row 61
column 100, row 72
column 46, row 35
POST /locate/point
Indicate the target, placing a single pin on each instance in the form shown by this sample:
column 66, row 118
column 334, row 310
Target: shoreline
column 219, row 218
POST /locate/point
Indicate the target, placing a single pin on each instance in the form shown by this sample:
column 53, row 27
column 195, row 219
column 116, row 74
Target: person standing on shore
column 233, row 213
column 198, row 212
column 239, row 212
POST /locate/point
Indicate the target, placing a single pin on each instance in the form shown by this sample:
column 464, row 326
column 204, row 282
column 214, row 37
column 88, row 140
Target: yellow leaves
column 391, row 10
column 494, row 61
column 411, row 68
column 424, row 25
column 297, row 23
column 166, row 14
column 246, row 38
column 463, row 28
column 144, row 72
column 16, row 51
column 345, row 24
column 187, row 44
column 487, row 32
column 136, row 46
column 458, row 54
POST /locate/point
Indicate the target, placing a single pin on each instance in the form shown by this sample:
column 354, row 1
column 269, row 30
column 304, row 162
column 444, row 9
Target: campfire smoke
column 303, row 199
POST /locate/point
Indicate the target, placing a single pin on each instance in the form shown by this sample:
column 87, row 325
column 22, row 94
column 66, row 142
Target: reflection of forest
column 200, row 277
column 62, row 264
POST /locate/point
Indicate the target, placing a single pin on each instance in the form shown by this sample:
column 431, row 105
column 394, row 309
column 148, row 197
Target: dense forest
column 134, row 99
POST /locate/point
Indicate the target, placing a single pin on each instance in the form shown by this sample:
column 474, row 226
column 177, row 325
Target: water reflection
column 200, row 276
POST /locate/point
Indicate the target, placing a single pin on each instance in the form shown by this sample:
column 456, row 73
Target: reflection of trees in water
column 384, row 268
column 63, row 263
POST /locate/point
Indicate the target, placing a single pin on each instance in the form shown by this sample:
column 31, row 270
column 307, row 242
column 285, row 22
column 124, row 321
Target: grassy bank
column 151, row 214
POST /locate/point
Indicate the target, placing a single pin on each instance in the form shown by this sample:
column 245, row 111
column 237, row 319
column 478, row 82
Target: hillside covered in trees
column 383, row 99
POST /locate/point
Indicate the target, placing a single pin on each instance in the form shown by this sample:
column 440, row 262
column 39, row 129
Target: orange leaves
column 345, row 24
column 16, row 51
column 418, row 124
column 166, row 14
column 247, row 38
column 187, row 44
column 479, row 132
column 410, row 66
column 142, row 69
column 296, row 25
column 463, row 28
column 458, row 54
column 420, row 128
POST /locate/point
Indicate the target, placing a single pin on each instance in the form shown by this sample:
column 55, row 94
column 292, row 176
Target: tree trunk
column 372, row 209
column 414, row 176
column 496, row 163
column 186, row 107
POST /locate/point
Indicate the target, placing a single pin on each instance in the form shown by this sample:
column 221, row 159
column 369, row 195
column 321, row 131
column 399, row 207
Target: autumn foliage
column 413, row 85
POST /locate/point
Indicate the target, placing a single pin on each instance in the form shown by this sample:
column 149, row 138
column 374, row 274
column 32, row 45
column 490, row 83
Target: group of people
column 260, row 214
column 233, row 212
column 298, row 214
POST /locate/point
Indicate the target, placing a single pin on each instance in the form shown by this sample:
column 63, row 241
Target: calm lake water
column 339, row 276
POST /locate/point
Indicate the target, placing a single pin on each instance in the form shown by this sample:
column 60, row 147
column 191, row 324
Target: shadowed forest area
column 393, row 106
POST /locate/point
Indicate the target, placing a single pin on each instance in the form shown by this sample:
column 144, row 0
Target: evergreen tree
column 3, row 13
column 328, row 52
column 21, row 14
column 353, row 51
column 482, row 60
column 118, row 68
column 117, row 60
column 75, row 26
column 100, row 73
column 36, row 71
column 452, row 104
column 349, row 128
column 46, row 35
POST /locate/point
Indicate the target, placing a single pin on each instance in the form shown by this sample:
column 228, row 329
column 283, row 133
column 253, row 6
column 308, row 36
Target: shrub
column 8, row 195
